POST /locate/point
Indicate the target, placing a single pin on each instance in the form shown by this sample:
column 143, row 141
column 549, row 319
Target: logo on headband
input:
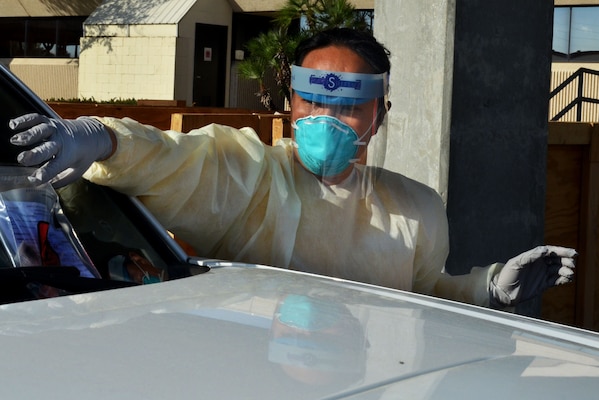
column 332, row 82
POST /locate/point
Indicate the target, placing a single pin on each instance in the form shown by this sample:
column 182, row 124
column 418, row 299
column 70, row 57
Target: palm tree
column 263, row 50
column 321, row 14
column 272, row 52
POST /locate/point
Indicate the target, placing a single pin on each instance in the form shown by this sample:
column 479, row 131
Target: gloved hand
column 529, row 274
column 66, row 148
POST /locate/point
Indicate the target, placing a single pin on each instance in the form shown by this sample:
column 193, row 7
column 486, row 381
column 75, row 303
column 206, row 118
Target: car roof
column 242, row 331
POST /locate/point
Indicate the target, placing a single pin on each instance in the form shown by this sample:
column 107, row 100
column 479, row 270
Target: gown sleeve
column 218, row 188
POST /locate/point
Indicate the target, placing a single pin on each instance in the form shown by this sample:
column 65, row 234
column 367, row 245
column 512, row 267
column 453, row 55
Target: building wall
column 35, row 72
column 563, row 67
column 137, row 62
column 419, row 36
column 488, row 79
column 214, row 13
column 590, row 89
column 499, row 128
column 152, row 61
column 58, row 78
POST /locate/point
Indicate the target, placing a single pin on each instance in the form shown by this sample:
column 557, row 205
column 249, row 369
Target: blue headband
column 343, row 88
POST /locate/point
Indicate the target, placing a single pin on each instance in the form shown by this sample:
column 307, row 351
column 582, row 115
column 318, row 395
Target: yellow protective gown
column 232, row 197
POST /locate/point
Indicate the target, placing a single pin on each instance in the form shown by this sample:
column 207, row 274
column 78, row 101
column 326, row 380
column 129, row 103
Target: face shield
column 338, row 122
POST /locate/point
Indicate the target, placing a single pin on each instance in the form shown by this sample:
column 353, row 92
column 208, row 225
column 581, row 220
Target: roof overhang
column 60, row 8
column 273, row 5
column 47, row 8
column 576, row 2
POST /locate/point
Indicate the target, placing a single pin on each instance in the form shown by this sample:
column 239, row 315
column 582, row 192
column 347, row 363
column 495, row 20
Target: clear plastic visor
column 347, row 96
column 336, row 116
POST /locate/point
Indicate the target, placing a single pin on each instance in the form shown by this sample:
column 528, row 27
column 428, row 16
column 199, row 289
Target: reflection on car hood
column 264, row 333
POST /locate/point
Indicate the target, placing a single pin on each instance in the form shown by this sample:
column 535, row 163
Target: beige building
column 26, row 29
column 162, row 50
column 187, row 50
column 575, row 63
column 180, row 50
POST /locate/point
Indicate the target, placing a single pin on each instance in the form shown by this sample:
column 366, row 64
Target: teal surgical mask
column 326, row 146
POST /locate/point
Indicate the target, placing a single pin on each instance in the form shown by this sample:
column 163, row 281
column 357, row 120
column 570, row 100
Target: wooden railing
column 579, row 92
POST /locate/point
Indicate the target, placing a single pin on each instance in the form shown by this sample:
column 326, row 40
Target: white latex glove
column 64, row 148
column 529, row 274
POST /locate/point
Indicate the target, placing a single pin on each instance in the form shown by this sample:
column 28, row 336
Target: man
column 317, row 203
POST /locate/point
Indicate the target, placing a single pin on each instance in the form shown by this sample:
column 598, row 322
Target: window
column 40, row 37
column 575, row 31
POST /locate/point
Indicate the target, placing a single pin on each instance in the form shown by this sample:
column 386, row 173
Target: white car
column 252, row 332
column 221, row 330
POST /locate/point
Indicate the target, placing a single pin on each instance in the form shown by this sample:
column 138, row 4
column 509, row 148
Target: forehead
column 336, row 58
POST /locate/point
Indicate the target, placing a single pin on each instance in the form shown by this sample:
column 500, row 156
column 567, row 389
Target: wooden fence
column 572, row 219
column 269, row 127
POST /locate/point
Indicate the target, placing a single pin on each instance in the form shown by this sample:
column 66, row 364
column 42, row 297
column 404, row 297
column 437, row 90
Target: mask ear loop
column 372, row 128
column 375, row 117
column 359, row 141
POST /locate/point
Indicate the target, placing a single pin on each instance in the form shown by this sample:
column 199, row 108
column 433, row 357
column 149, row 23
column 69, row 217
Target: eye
column 348, row 110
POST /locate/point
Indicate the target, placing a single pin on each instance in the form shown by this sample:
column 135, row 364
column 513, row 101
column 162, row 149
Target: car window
column 121, row 239
column 109, row 235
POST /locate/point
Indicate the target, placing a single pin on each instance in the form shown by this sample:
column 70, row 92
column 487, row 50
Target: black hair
column 363, row 43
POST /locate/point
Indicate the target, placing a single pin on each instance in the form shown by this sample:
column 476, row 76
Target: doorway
column 210, row 65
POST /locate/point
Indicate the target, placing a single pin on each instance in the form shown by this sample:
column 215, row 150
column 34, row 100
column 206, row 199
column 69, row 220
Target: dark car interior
column 114, row 231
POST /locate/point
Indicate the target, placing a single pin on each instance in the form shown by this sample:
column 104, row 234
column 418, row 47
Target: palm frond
column 273, row 52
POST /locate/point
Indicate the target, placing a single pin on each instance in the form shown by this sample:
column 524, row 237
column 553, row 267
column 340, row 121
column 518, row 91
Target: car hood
column 240, row 332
